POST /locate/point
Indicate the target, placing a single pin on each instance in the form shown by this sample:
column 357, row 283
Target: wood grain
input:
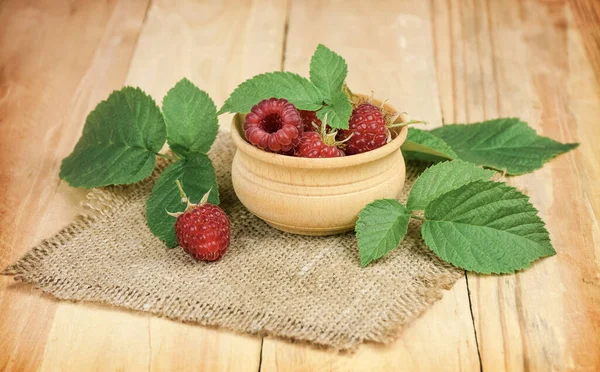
column 587, row 17
column 391, row 55
column 442, row 61
column 200, row 41
column 438, row 341
column 56, row 62
column 528, row 59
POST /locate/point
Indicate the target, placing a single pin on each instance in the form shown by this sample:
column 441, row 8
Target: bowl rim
column 319, row 163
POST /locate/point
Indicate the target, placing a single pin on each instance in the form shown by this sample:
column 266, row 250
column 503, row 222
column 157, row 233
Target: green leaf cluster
column 505, row 144
column 123, row 135
column 468, row 220
column 323, row 93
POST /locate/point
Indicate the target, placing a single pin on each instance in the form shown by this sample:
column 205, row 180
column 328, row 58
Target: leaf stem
column 167, row 156
column 184, row 198
column 417, row 217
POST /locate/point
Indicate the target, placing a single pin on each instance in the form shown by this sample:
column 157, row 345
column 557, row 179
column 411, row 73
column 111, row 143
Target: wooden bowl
column 315, row 196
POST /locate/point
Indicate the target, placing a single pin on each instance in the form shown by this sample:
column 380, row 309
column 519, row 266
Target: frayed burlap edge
column 64, row 289
column 228, row 318
column 100, row 203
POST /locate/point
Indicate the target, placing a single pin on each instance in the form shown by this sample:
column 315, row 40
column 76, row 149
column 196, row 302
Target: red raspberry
column 274, row 125
column 204, row 232
column 319, row 144
column 203, row 229
column 368, row 129
column 313, row 146
column 308, row 118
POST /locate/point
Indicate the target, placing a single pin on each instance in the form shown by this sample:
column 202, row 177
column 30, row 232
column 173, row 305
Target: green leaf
column 487, row 227
column 296, row 89
column 441, row 178
column 380, row 227
column 504, row 144
column 328, row 71
column 197, row 175
column 424, row 146
column 338, row 112
column 119, row 143
column 191, row 118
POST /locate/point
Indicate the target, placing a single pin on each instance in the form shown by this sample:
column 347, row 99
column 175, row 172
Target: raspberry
column 203, row 229
column 204, row 232
column 319, row 144
column 274, row 125
column 368, row 129
column 308, row 118
column 313, row 146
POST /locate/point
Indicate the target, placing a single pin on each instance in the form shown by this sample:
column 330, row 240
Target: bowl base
column 311, row 231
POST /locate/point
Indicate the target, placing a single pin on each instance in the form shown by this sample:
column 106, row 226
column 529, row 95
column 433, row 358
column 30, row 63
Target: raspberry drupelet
column 367, row 126
column 274, row 125
column 370, row 127
column 320, row 144
column 203, row 230
column 310, row 120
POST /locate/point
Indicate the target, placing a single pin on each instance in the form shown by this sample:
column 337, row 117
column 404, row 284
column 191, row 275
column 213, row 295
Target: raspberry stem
column 184, row 198
column 329, row 138
column 339, row 143
column 417, row 217
column 323, row 128
column 186, row 201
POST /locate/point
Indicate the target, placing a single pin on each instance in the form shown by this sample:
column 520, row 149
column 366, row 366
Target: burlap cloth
column 269, row 282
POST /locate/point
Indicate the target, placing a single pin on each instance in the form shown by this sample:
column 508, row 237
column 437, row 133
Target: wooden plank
column 53, row 69
column 441, row 340
column 528, row 59
column 388, row 47
column 587, row 17
column 217, row 46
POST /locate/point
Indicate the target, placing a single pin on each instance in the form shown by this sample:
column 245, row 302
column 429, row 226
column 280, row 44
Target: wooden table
column 442, row 61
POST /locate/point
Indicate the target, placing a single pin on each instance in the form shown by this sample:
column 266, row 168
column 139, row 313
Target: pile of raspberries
column 275, row 125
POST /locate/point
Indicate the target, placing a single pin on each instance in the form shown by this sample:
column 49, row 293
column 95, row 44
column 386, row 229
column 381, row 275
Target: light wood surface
column 442, row 61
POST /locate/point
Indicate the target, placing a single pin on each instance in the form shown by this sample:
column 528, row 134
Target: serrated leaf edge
column 529, row 205
column 225, row 109
column 433, row 168
column 61, row 173
column 313, row 58
column 212, row 104
column 513, row 121
column 365, row 262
